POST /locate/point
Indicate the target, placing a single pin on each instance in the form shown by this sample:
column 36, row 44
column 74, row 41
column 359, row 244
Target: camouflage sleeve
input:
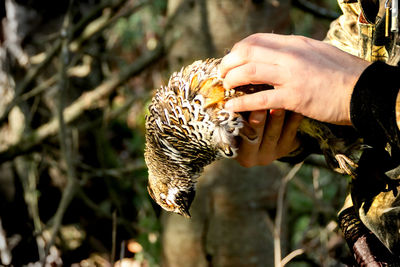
column 343, row 32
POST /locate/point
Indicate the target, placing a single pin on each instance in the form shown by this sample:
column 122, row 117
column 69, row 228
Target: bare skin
column 277, row 137
column 310, row 77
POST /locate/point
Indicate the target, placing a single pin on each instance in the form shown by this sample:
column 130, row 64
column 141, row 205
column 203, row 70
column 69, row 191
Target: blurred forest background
column 75, row 80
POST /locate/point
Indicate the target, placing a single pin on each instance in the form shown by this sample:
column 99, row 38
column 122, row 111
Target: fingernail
column 219, row 73
column 277, row 112
column 258, row 116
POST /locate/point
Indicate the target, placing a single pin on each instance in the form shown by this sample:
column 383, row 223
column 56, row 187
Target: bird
column 188, row 128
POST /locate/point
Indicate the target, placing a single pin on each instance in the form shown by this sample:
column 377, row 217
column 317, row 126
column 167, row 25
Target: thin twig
column 5, row 253
column 122, row 250
column 85, row 102
column 26, row 169
column 29, row 77
column 70, row 190
column 114, row 113
column 33, row 202
column 131, row 227
column 42, row 86
column 279, row 213
column 115, row 172
column 291, row 256
column 103, row 22
column 113, row 237
column 270, row 224
column 320, row 205
column 317, row 161
column 34, row 71
column 95, row 12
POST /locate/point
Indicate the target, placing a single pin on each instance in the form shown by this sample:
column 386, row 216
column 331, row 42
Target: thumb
column 269, row 99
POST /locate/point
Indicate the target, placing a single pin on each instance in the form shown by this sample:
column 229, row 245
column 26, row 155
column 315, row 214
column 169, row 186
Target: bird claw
column 346, row 164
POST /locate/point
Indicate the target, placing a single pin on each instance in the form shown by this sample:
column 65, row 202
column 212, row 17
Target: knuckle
column 251, row 70
column 240, row 46
column 237, row 46
column 298, row 38
column 245, row 51
column 262, row 100
column 255, row 38
column 240, row 102
column 245, row 48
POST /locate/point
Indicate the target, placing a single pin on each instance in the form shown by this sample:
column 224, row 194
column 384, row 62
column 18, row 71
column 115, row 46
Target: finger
column 288, row 141
column 269, row 99
column 248, row 150
column 272, row 132
column 257, row 119
column 245, row 53
column 255, row 73
column 262, row 47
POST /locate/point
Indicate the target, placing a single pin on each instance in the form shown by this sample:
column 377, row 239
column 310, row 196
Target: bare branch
column 34, row 71
column 113, row 237
column 30, row 76
column 85, row 102
column 72, row 184
column 5, row 253
column 291, row 256
column 27, row 171
column 279, row 213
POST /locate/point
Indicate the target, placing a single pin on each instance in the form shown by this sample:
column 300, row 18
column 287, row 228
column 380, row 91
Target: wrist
column 354, row 77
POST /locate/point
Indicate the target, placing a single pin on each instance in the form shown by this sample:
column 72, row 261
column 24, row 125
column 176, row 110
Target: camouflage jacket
column 360, row 31
column 364, row 31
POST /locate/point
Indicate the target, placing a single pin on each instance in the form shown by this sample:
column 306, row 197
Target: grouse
column 188, row 128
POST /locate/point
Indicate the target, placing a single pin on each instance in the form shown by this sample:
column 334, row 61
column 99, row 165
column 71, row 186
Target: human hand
column 276, row 137
column 310, row 77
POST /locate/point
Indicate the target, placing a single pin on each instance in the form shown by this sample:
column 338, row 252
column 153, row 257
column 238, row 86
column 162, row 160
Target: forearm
column 373, row 105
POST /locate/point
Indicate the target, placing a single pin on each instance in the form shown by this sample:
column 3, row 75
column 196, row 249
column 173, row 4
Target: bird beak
column 184, row 212
column 183, row 201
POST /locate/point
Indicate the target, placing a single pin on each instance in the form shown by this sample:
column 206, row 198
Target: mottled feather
column 188, row 128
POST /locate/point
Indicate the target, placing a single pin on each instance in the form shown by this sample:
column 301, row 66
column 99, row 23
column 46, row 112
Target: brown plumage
column 188, row 128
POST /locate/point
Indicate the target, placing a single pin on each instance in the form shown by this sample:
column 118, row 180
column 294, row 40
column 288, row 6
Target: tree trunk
column 232, row 205
column 229, row 219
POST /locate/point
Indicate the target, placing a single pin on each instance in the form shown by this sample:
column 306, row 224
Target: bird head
column 171, row 199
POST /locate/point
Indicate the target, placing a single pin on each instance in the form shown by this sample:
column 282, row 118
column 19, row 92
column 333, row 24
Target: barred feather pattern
column 188, row 128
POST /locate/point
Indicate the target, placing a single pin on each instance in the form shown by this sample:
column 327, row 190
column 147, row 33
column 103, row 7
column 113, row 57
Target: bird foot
column 346, row 164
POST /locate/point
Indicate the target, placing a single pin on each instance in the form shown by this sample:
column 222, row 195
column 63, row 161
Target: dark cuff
column 373, row 104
